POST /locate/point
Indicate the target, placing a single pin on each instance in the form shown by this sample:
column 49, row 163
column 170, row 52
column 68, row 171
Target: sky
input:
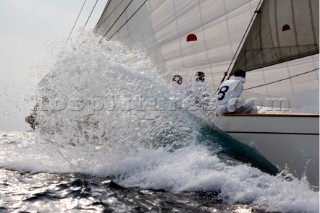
column 26, row 28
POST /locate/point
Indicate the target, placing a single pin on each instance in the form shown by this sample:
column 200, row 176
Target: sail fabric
column 162, row 28
column 283, row 30
column 186, row 36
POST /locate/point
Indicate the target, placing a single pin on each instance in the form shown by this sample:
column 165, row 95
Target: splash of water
column 104, row 94
column 113, row 100
column 139, row 136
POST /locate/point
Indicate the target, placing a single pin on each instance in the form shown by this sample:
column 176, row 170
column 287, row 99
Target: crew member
column 197, row 90
column 228, row 95
column 177, row 79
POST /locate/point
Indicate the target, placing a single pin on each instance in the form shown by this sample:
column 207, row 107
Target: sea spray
column 113, row 100
column 130, row 141
column 102, row 96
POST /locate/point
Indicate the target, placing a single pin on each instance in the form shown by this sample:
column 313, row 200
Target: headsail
column 283, row 30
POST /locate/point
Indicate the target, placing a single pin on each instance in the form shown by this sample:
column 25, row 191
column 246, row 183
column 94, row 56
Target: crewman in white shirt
column 228, row 96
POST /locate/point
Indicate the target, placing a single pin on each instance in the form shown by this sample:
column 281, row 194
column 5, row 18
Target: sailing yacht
column 275, row 41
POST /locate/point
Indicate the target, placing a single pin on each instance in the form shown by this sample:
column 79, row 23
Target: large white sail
column 186, row 36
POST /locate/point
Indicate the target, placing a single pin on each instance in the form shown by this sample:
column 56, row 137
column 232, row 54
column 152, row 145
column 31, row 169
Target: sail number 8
column 223, row 91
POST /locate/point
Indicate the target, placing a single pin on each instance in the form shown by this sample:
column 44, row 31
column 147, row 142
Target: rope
column 110, row 13
column 76, row 19
column 87, row 19
column 261, row 85
column 244, row 36
column 66, row 159
column 118, row 18
column 90, row 14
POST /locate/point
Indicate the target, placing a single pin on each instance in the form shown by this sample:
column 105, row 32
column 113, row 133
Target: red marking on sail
column 285, row 27
column 191, row 37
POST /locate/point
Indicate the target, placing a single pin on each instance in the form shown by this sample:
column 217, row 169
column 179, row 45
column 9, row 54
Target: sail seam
column 179, row 34
column 104, row 10
column 288, row 58
column 271, row 38
column 314, row 33
column 263, row 56
column 312, row 24
column 296, row 41
column 295, row 27
column 127, row 19
column 227, row 22
column 293, row 76
column 158, row 55
column 205, row 43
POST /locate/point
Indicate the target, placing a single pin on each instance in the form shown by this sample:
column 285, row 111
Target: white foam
column 192, row 168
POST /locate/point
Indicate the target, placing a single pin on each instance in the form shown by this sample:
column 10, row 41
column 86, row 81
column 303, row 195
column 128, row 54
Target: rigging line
column 76, row 19
column 66, row 159
column 244, row 36
column 110, row 12
column 90, row 13
column 282, row 79
column 76, row 44
column 118, row 18
column 128, row 19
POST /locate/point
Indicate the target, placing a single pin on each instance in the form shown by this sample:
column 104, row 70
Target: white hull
column 284, row 139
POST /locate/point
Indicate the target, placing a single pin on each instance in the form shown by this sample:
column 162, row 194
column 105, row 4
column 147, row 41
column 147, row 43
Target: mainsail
column 186, row 36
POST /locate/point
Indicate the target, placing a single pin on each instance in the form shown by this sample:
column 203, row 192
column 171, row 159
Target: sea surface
column 41, row 177
column 111, row 136
column 45, row 192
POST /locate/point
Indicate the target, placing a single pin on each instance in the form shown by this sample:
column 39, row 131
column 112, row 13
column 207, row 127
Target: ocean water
column 113, row 137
